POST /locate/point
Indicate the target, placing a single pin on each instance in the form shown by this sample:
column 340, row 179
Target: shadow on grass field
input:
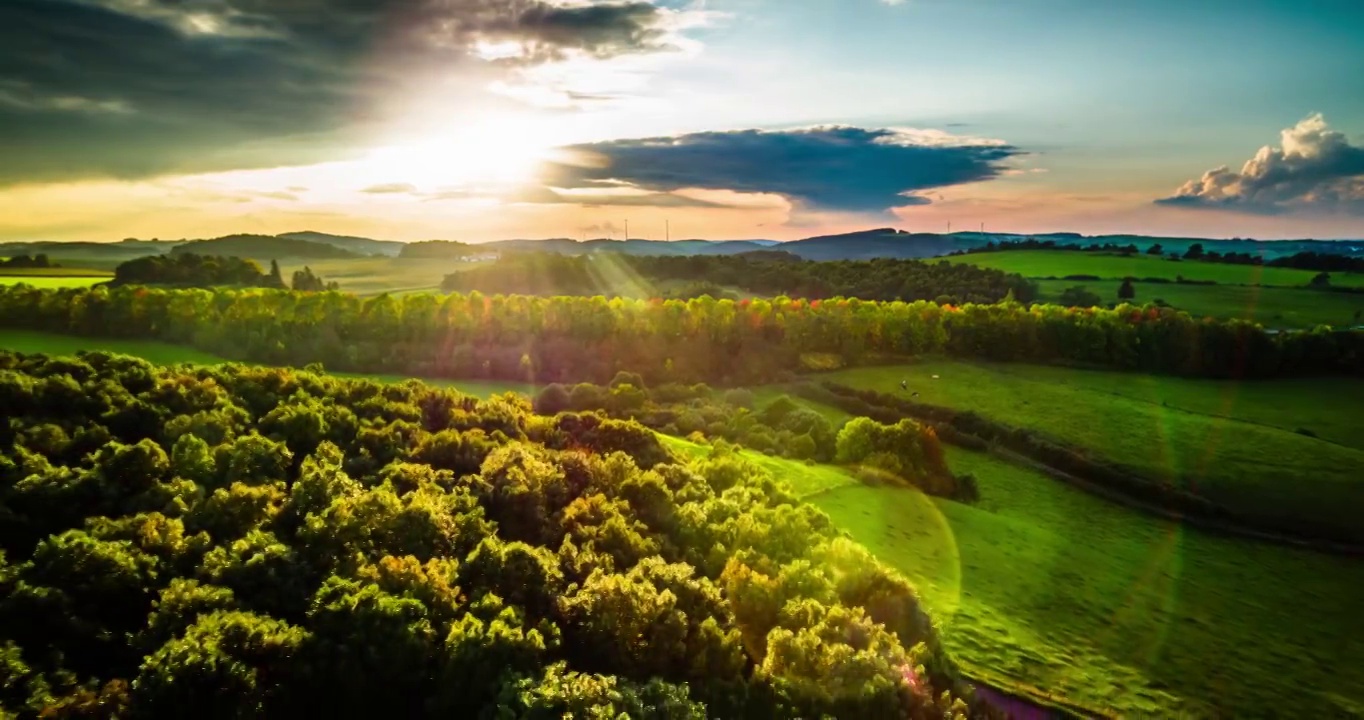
column 1236, row 443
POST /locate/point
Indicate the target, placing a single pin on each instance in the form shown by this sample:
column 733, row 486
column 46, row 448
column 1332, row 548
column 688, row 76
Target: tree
column 1079, row 296
column 1321, row 280
column 1126, row 291
column 1195, row 252
column 276, row 279
column 552, row 400
column 1155, row 249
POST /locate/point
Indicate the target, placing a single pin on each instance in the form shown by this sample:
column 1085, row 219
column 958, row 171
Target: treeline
column 252, row 542
column 190, row 270
column 27, row 262
column 763, row 273
column 590, row 339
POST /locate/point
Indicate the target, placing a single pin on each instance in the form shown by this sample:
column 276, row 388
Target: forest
column 235, row 541
column 206, row 271
column 764, row 272
column 27, row 262
column 590, row 339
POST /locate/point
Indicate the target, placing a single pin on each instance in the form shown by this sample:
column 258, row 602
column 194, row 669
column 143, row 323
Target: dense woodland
column 577, row 339
column 767, row 272
column 206, row 271
column 26, row 262
column 228, row 542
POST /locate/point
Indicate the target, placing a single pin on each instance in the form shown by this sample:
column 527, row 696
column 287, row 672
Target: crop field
column 1040, row 585
column 1273, row 307
column 1060, row 263
column 1240, row 444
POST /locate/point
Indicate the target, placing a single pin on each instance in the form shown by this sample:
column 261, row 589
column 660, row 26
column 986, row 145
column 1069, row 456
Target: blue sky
column 184, row 119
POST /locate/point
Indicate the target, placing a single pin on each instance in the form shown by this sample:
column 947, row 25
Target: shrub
column 553, row 399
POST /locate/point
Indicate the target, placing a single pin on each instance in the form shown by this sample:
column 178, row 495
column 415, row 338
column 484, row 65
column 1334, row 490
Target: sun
column 494, row 152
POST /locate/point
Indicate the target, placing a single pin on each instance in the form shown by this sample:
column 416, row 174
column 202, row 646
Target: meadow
column 1041, row 586
column 1060, row 263
column 1048, row 592
column 1273, row 307
column 1243, row 445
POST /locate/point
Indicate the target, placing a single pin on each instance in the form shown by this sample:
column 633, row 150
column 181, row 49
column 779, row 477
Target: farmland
column 1060, row 263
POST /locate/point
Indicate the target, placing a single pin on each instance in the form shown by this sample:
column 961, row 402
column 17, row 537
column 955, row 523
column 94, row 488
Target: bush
column 1079, row 296
column 553, row 399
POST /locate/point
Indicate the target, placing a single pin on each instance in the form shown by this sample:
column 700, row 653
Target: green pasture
column 1060, row 263
column 1236, row 443
column 1042, row 587
column 1273, row 307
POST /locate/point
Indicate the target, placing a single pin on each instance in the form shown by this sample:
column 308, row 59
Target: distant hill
column 361, row 245
column 439, row 250
column 879, row 243
column 264, row 247
column 866, row 244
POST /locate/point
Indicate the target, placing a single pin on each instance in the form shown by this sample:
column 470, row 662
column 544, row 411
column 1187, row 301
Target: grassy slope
column 1059, row 263
column 27, row 341
column 1236, row 441
column 1043, row 588
column 1273, row 307
column 1042, row 585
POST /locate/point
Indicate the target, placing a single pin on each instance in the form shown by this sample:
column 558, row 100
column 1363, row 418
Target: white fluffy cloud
column 1313, row 168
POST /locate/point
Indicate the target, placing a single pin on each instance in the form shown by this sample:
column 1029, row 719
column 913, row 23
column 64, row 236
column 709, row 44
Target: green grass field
column 1234, row 442
column 1273, row 307
column 47, row 282
column 1043, row 589
column 1040, row 585
column 1059, row 263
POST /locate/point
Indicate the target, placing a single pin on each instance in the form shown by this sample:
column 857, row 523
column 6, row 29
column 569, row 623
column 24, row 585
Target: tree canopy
column 238, row 541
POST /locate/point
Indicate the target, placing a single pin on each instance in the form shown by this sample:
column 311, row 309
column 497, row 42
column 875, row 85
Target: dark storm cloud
column 828, row 168
column 1314, row 169
column 131, row 88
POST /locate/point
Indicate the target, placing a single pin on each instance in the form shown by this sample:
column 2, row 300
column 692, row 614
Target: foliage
column 765, row 273
column 305, row 544
column 39, row 260
column 305, row 281
column 1080, row 296
column 191, row 270
column 578, row 338
column 436, row 250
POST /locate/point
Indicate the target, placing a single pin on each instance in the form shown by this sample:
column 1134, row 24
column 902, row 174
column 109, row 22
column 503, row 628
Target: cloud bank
column 132, row 88
column 1314, row 169
column 834, row 168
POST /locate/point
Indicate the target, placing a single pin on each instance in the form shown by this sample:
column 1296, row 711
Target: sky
column 479, row 120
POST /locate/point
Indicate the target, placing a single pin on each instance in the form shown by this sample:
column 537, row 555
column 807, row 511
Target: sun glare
column 499, row 152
